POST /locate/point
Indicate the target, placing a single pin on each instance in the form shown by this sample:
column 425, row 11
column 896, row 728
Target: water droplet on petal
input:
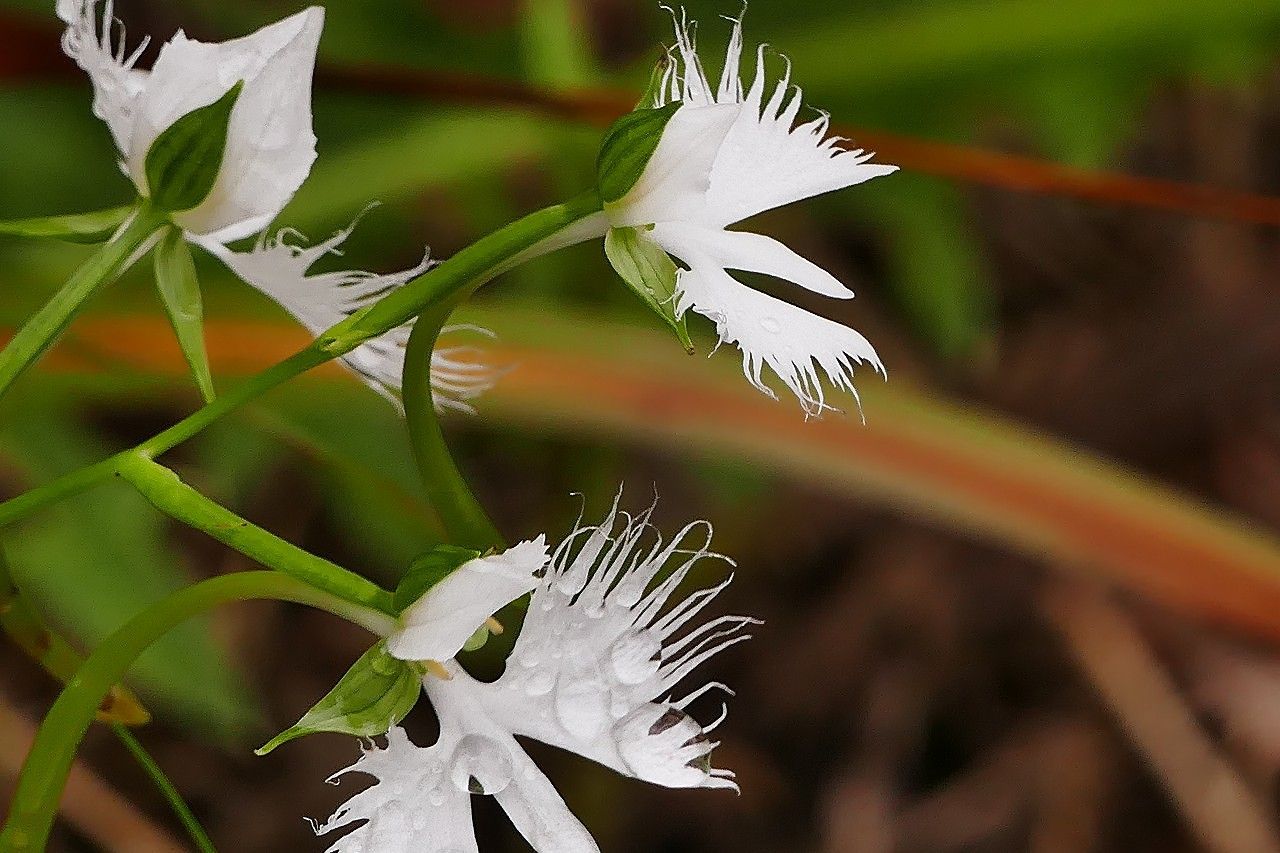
column 582, row 707
column 539, row 683
column 770, row 325
column 480, row 765
column 636, row 656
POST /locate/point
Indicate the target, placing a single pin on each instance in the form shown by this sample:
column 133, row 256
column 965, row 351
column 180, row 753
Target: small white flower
column 270, row 143
column 278, row 268
column 725, row 155
column 436, row 626
column 591, row 672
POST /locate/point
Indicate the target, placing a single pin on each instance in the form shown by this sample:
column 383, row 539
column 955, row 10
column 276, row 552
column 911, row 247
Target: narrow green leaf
column 94, row 227
column 180, row 291
column 428, row 570
column 650, row 273
column 184, row 161
column 626, row 149
column 375, row 694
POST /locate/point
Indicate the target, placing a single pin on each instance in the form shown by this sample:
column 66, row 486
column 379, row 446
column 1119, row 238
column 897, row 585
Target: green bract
column 92, row 227
column 375, row 694
column 180, row 292
column 428, row 570
column 626, row 150
column 649, row 272
column 183, row 163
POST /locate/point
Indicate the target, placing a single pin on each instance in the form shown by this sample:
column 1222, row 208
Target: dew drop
column 635, row 657
column 539, row 683
column 480, row 765
column 582, row 707
column 770, row 325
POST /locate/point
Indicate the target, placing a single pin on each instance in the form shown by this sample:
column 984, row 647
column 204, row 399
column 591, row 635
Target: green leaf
column 180, row 292
column 95, row 227
column 375, row 694
column 626, row 149
column 428, row 570
column 650, row 273
column 184, row 161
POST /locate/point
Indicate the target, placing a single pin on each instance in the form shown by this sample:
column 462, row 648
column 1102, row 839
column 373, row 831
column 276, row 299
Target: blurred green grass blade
column 939, row 279
column 363, row 467
column 96, row 560
column 180, row 293
column 919, row 43
column 555, row 50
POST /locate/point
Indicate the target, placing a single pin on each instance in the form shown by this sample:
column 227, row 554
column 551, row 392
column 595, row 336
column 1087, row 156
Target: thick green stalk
column 464, row 518
column 102, row 268
column 44, row 774
column 369, row 603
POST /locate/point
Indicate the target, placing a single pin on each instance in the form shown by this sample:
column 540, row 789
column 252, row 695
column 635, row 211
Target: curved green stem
column 102, row 268
column 44, row 774
column 464, row 518
column 172, row 796
column 368, row 605
column 536, row 234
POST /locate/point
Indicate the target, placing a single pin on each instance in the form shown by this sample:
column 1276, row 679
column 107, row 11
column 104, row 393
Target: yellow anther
column 437, row 669
column 494, row 626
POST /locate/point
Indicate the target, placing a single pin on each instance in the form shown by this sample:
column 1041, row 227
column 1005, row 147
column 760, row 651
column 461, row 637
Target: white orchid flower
column 592, row 672
column 278, row 268
column 437, row 625
column 725, row 154
column 270, row 144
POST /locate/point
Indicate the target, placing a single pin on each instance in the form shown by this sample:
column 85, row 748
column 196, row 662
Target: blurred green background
column 910, row 676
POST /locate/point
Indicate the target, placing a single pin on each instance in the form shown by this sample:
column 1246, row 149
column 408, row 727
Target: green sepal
column 180, row 292
column 427, row 571
column 376, row 693
column 627, row 147
column 95, row 227
column 184, row 161
column 650, row 273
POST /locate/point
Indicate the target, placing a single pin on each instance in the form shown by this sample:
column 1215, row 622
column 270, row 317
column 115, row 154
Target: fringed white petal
column 769, row 161
column 437, row 625
column 590, row 670
column 278, row 267
column 796, row 345
column 98, row 45
column 765, row 160
column 422, row 799
column 270, row 142
column 413, row 808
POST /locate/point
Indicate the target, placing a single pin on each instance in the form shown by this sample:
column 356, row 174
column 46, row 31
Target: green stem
column 464, row 518
column 368, row 603
column 171, row 794
column 44, row 775
column 120, row 709
column 102, row 268
column 25, row 504
column 536, row 234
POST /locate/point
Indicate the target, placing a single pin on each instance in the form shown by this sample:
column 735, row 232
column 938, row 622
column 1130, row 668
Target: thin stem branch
column 538, row 233
column 44, row 774
column 172, row 796
column 367, row 603
column 463, row 516
column 102, row 268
